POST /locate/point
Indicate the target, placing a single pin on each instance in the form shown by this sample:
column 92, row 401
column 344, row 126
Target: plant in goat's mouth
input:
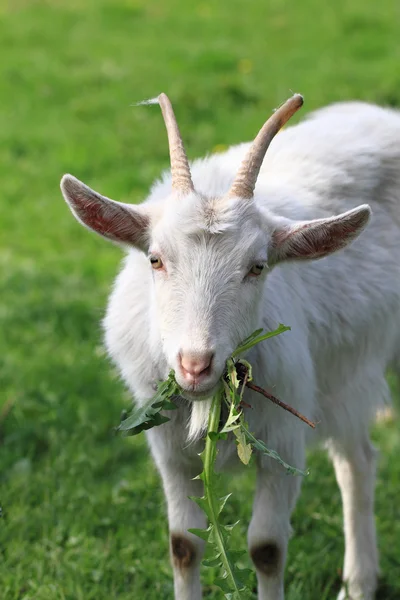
column 238, row 375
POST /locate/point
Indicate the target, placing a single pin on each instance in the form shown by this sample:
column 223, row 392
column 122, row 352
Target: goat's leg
column 269, row 530
column 355, row 473
column 186, row 549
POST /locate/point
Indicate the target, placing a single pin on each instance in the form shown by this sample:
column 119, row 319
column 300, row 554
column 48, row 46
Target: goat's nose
column 194, row 365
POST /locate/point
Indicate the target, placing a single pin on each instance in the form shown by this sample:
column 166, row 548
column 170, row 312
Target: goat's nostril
column 195, row 364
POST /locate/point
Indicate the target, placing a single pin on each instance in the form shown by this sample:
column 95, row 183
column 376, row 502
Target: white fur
column 344, row 311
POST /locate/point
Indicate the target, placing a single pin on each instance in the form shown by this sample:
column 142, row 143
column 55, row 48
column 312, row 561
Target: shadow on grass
column 386, row 591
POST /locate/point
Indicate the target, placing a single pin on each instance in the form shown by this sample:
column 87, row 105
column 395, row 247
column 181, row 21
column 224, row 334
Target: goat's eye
column 156, row 262
column 256, row 270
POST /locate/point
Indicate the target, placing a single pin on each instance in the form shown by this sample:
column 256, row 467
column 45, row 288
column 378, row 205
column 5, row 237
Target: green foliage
column 149, row 415
column 261, row 447
column 256, row 337
column 79, row 503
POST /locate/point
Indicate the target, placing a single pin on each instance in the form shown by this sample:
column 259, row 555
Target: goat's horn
column 181, row 178
column 245, row 180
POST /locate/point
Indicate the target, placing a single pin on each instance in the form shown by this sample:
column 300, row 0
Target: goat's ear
column 120, row 223
column 315, row 239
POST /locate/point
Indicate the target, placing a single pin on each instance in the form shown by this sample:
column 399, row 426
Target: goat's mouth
column 204, row 393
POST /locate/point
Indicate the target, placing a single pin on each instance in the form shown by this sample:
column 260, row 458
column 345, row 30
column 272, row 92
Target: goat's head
column 208, row 257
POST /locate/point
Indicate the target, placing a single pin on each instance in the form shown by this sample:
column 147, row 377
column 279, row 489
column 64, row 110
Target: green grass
column 84, row 515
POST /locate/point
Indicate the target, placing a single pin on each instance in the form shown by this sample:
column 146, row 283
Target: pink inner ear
column 110, row 219
column 323, row 239
column 317, row 239
column 94, row 215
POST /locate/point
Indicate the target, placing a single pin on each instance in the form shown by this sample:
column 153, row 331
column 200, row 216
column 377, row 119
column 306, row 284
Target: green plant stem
column 210, row 454
column 211, row 446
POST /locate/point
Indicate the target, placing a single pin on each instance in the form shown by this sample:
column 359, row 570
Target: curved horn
column 246, row 178
column 181, row 178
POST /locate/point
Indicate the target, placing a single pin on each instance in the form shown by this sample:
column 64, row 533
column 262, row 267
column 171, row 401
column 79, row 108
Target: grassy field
column 83, row 512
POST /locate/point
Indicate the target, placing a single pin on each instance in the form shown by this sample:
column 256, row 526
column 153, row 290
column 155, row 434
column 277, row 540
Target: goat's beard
column 200, row 408
column 198, row 421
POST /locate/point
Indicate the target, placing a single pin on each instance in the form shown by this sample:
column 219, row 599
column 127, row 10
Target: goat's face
column 208, row 257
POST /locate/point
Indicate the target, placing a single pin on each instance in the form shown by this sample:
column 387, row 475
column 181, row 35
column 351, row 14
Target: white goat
column 213, row 256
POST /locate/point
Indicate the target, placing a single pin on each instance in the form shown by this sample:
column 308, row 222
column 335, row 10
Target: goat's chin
column 199, row 394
